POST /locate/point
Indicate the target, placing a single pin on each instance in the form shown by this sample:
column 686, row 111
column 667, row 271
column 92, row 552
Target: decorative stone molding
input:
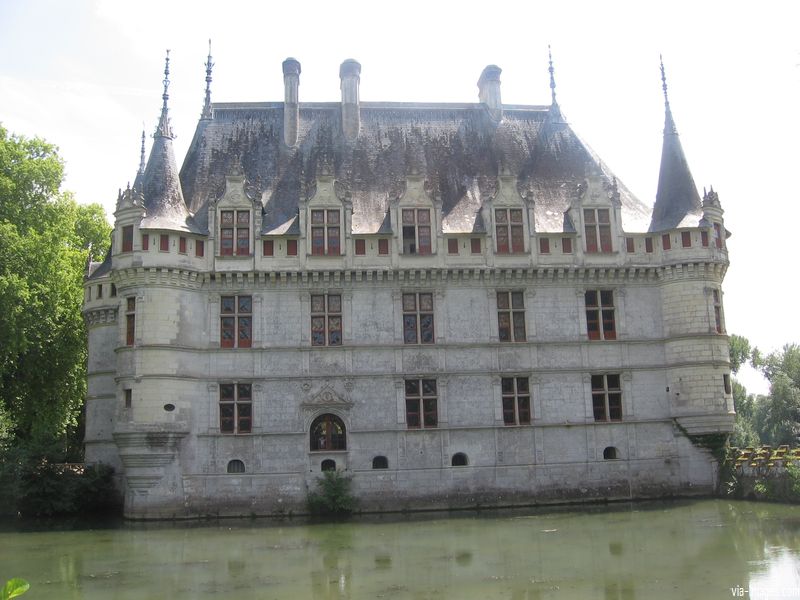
column 100, row 316
column 326, row 398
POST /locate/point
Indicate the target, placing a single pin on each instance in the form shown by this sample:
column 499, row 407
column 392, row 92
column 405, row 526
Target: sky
column 86, row 75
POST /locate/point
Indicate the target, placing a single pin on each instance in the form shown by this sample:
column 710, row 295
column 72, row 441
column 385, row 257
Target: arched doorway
column 328, row 433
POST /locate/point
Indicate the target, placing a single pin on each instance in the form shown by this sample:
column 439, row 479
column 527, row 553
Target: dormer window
column 234, row 225
column 510, row 233
column 597, row 225
column 325, row 233
column 416, row 231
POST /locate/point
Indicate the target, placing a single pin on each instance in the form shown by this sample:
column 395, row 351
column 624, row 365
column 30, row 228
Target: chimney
column 489, row 91
column 350, row 76
column 291, row 104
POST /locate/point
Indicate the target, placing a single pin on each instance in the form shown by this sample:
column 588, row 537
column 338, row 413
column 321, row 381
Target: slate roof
column 457, row 148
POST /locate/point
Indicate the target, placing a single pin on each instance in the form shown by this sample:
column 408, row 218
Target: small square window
column 291, row 247
column 544, row 245
column 566, row 245
column 163, row 243
column 182, row 245
column 361, row 247
column 145, row 241
column 686, row 239
column 666, row 243
column 199, row 248
column 629, row 245
column 268, row 248
column 452, row 246
column 648, row 245
column 475, row 245
column 383, row 247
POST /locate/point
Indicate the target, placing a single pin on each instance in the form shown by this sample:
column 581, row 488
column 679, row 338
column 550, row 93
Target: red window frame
column 704, row 238
column 326, row 320
column 630, row 245
column 235, row 408
column 236, row 321
column 163, row 242
column 452, row 246
column 648, row 245
column 182, row 245
column 516, row 398
column 383, row 246
column 600, row 315
column 718, row 235
column 666, row 242
column 566, row 245
column 421, row 404
column 418, row 322
column 686, row 239
column 291, row 247
column 475, row 245
column 361, row 247
column 199, row 248
column 597, row 226
column 511, row 316
column 268, row 248
column 607, row 397
column 544, row 245
column 127, row 238
column 130, row 320
column 510, row 230
column 145, row 241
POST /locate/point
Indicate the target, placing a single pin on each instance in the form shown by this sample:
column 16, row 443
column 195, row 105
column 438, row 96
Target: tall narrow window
column 416, row 231
column 145, row 241
column 544, row 245
column 686, row 239
column 130, row 320
column 268, row 248
column 666, row 243
column 452, row 246
column 718, row 323
column 718, row 235
column 128, row 398
column 648, row 245
column 597, row 225
column 511, row 316
column 630, row 245
column 328, row 433
column 566, row 245
column 600, row 321
column 475, row 245
column 361, row 247
column 291, row 247
column 326, row 320
column 236, row 322
column 704, row 238
column 606, row 397
column 235, row 408
column 163, row 242
column 510, row 233
column 418, row 318
column 421, row 404
column 325, row 232
column 726, row 383
column 383, row 246
column 127, row 238
column 199, row 248
column 234, row 225
column 516, row 400
column 182, row 245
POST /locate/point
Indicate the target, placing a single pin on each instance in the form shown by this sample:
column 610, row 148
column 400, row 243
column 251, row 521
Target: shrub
column 333, row 496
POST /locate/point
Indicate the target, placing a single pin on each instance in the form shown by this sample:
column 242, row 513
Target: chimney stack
column 350, row 76
column 291, row 103
column 489, row 91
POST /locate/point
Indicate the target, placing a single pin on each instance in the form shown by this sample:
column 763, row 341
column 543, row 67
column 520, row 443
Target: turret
column 677, row 196
column 489, row 91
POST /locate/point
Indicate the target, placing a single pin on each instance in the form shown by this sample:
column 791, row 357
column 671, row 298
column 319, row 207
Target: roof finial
column 206, row 114
column 164, row 128
column 552, row 78
column 669, row 123
column 141, row 157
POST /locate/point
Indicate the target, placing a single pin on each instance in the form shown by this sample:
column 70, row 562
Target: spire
column 555, row 110
column 676, row 197
column 206, row 114
column 137, row 182
column 164, row 129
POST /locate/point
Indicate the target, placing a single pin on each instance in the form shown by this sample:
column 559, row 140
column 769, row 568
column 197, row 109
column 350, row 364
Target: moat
column 685, row 549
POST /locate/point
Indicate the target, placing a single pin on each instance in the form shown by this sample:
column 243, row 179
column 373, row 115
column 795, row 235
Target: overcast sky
column 86, row 75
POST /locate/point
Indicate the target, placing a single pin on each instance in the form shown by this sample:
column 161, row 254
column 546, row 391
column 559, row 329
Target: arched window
column 459, row 460
column 610, row 453
column 380, row 462
column 328, row 433
column 328, row 465
column 236, row 466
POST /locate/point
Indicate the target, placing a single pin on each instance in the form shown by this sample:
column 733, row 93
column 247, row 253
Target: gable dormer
column 127, row 217
column 595, row 211
column 509, row 217
column 418, row 216
column 326, row 218
column 234, row 218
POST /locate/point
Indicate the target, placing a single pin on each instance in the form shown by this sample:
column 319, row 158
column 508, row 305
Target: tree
column 778, row 417
column 45, row 238
column 740, row 351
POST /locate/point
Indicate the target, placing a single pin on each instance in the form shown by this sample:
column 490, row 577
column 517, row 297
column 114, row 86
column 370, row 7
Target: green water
column 705, row 549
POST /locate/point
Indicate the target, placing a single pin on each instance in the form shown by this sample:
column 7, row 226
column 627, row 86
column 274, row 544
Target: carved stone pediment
column 326, row 398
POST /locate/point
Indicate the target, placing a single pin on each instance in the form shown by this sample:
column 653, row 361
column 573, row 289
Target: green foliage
column 13, row 588
column 740, row 351
column 333, row 496
column 777, row 417
column 45, row 238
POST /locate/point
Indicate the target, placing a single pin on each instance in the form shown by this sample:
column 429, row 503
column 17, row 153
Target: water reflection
column 697, row 549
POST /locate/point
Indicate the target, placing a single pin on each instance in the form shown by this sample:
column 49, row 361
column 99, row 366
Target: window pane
column 228, row 304
column 243, row 218
column 424, row 239
column 502, row 239
column 519, row 327
column 317, row 304
column 333, row 241
column 335, row 331
column 591, row 298
column 244, row 391
column 431, row 417
column 334, row 303
column 516, row 215
column 517, row 243
column 426, row 329
column 452, row 246
column 408, row 216
column 409, row 302
column 566, row 245
column 226, row 418
column 613, row 382
column 383, row 246
column 591, row 238
column 245, row 304
column 227, row 335
column 412, row 387
column 605, row 238
column 317, row 240
column 227, row 217
column 317, row 217
column 423, row 216
column 522, row 385
column 588, row 216
column 602, row 215
column 361, row 247
column 599, row 407
column 245, row 332
column 333, row 217
column 504, row 326
column 598, row 382
column 501, row 216
column 507, row 385
column 517, row 300
column 475, row 245
column 412, row 412
column 524, row 407
column 317, row 331
column 509, row 417
column 426, row 302
column 615, row 407
column 607, row 298
column 410, row 329
column 226, row 391
column 428, row 387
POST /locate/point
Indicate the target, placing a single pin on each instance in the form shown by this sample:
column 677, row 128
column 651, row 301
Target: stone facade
column 465, row 290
